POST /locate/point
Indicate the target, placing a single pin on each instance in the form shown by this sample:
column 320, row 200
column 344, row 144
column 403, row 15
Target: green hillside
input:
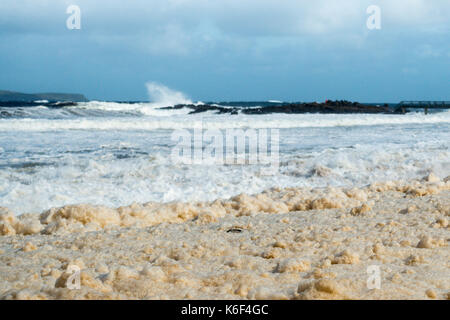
column 25, row 97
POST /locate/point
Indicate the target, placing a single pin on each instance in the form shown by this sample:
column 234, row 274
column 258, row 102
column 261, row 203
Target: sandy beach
column 281, row 244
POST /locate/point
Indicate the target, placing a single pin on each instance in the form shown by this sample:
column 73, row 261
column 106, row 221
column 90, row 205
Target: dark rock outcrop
column 341, row 106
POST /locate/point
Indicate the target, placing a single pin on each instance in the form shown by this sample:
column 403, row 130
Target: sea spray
column 162, row 96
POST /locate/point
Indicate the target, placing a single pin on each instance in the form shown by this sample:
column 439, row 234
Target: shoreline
column 280, row 244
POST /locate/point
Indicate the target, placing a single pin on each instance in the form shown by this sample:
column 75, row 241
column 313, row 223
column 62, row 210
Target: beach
column 97, row 203
column 284, row 243
column 225, row 150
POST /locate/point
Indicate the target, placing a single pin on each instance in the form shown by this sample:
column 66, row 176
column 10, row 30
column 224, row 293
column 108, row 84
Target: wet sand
column 280, row 244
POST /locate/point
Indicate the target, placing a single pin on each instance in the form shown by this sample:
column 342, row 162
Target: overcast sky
column 229, row 49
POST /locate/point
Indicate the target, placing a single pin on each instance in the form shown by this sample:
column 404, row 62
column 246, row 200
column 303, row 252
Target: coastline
column 280, row 244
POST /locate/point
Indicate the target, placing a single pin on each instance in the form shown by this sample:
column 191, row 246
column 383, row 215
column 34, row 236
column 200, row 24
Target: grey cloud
column 186, row 26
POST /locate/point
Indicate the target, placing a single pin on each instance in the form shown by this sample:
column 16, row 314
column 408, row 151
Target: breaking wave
column 167, row 119
column 162, row 96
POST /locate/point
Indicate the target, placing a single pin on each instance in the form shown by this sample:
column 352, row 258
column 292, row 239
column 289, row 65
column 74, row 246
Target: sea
column 119, row 153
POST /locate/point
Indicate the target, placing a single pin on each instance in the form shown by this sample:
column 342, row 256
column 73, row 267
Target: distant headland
column 27, row 97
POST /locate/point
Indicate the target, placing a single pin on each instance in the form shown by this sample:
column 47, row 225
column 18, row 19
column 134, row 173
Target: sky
column 223, row 50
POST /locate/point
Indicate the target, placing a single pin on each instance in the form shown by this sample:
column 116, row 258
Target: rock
column 292, row 108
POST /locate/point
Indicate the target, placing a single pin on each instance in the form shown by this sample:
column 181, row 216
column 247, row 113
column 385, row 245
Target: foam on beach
column 293, row 243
